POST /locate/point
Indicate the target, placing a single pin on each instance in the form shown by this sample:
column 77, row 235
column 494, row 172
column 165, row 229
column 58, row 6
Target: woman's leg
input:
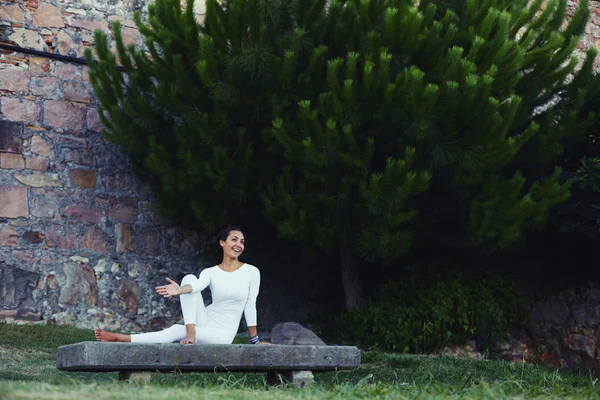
column 194, row 314
column 172, row 334
column 193, row 310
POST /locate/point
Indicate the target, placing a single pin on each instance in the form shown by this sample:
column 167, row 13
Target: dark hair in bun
column 224, row 233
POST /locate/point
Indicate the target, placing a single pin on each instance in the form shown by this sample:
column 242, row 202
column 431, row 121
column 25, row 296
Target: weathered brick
column 11, row 161
column 124, row 210
column 64, row 114
column 95, row 239
column 28, row 38
column 9, row 237
column 84, row 178
column 20, row 110
column 46, row 86
column 81, row 157
column 10, row 137
column 88, row 24
column 39, row 65
column 60, row 236
column 12, row 13
column 82, row 213
column 67, row 71
column 43, row 207
column 93, row 120
column 14, row 80
column 41, row 146
column 23, row 255
column 37, row 163
column 67, row 46
column 33, row 237
column 72, row 141
column 39, row 179
column 13, row 201
column 125, row 236
column 147, row 241
column 77, row 91
column 47, row 16
column 122, row 21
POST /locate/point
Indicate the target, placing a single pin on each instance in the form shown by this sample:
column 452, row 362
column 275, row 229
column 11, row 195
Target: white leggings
column 194, row 312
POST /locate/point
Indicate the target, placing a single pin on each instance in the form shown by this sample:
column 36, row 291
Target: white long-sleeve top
column 233, row 293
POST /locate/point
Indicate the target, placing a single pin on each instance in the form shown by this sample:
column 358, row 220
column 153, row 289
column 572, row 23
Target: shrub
column 429, row 309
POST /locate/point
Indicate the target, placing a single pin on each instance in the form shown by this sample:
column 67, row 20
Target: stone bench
column 282, row 363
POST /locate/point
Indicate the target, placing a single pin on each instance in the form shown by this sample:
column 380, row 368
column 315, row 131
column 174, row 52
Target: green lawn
column 27, row 371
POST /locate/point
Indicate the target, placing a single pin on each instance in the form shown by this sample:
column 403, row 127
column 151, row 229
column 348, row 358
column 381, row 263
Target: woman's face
column 233, row 247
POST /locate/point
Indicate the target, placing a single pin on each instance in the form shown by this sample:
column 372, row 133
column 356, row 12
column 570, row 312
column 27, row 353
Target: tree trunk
column 353, row 289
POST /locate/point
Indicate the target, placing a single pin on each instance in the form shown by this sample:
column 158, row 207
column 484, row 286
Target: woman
column 234, row 286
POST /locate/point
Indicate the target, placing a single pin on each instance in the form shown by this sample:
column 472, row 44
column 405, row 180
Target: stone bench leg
column 295, row 378
column 135, row 377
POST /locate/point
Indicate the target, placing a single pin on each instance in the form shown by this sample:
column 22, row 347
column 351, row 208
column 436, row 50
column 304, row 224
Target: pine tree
column 363, row 127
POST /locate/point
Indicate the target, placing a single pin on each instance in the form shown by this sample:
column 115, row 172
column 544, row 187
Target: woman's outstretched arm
column 173, row 289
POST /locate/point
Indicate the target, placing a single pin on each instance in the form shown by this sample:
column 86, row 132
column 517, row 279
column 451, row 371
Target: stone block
column 298, row 379
column 43, row 207
column 82, row 213
column 10, row 137
column 59, row 236
column 47, row 16
column 81, row 285
column 39, row 65
column 67, row 71
column 83, row 178
column 147, row 241
column 28, row 38
column 26, row 256
column 88, row 24
column 17, row 286
column 124, row 210
column 9, row 237
column 64, row 114
column 81, row 157
column 33, row 237
column 20, row 110
column 42, row 147
column 104, row 357
column 292, row 333
column 73, row 141
column 67, row 46
column 12, row 13
column 125, row 238
column 46, row 86
column 95, row 239
column 11, row 161
column 14, row 80
column 13, row 201
column 77, row 91
column 37, row 163
column 93, row 120
column 39, row 179
column 129, row 295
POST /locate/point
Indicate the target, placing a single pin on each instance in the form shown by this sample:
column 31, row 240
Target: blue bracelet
column 254, row 339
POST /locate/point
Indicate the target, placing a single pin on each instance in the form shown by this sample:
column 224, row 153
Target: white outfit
column 233, row 293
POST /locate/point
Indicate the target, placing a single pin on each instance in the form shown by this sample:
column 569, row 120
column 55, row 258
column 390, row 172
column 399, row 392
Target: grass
column 27, row 371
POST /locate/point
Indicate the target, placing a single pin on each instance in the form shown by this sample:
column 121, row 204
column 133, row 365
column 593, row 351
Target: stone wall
column 80, row 238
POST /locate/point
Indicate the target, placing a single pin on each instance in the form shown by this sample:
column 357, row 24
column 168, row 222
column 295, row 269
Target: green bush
column 430, row 309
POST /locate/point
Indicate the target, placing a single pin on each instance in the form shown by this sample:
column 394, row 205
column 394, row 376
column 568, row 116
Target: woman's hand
column 172, row 289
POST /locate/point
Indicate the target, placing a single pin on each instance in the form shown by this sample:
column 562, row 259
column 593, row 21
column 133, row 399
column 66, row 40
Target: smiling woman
column 234, row 286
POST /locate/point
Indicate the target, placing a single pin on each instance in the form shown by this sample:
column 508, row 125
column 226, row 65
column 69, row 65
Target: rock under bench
column 292, row 364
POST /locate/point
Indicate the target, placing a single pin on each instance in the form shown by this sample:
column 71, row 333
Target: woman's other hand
column 172, row 289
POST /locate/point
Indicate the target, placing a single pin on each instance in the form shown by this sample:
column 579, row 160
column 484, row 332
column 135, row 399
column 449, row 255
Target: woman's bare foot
column 189, row 339
column 190, row 335
column 104, row 336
